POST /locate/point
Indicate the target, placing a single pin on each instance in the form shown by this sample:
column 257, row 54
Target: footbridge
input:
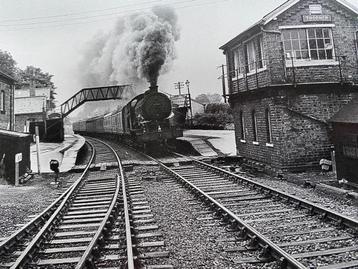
column 95, row 94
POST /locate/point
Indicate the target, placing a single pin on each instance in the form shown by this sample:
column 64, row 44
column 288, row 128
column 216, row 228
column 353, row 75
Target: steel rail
column 320, row 210
column 40, row 218
column 86, row 257
column 21, row 233
column 266, row 244
column 130, row 256
column 36, row 242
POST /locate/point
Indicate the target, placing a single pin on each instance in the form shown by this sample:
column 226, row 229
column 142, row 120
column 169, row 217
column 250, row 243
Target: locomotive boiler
column 147, row 119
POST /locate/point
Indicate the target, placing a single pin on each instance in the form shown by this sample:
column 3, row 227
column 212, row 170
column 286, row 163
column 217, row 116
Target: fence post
column 37, row 148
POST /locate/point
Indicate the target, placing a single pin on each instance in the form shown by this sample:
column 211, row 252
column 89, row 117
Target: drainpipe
column 12, row 107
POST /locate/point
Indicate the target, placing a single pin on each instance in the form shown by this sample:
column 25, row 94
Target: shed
column 345, row 139
column 12, row 143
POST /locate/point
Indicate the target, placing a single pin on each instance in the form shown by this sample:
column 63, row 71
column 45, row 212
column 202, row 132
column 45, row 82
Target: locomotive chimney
column 153, row 87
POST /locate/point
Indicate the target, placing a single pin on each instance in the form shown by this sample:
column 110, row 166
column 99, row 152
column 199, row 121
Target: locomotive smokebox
column 154, row 105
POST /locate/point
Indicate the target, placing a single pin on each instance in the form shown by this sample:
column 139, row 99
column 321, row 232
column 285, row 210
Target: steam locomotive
column 146, row 120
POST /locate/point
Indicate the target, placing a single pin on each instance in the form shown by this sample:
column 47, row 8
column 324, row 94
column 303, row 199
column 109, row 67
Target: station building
column 288, row 74
column 11, row 143
column 6, row 100
column 31, row 104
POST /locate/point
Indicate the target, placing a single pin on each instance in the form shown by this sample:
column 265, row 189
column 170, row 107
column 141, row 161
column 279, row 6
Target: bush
column 212, row 120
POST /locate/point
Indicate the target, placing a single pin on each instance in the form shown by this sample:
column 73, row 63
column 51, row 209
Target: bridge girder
column 94, row 94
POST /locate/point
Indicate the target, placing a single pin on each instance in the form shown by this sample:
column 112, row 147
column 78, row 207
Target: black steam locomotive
column 147, row 119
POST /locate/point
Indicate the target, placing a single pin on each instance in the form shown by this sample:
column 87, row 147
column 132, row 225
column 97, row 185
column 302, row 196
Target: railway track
column 295, row 232
column 71, row 233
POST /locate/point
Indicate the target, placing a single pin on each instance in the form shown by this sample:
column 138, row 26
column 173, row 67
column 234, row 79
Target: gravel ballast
column 343, row 205
column 194, row 237
column 20, row 204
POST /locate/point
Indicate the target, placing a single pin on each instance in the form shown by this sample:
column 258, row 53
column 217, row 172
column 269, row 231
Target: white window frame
column 251, row 55
column 268, row 126
column 2, row 101
column 242, row 130
column 308, row 61
column 237, row 59
column 261, row 43
column 254, row 127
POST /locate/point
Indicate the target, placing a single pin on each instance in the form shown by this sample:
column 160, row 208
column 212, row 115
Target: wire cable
column 108, row 16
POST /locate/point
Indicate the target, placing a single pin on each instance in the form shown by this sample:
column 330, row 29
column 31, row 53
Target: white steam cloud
column 136, row 51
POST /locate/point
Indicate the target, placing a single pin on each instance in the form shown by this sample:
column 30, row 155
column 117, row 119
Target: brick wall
column 343, row 38
column 5, row 117
column 300, row 137
column 20, row 120
column 260, row 152
column 279, row 71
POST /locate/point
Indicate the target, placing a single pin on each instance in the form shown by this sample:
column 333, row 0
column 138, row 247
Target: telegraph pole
column 223, row 80
column 179, row 85
column 187, row 83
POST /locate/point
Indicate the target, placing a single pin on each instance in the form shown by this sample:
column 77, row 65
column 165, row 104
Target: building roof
column 348, row 113
column 12, row 133
column 7, row 78
column 276, row 12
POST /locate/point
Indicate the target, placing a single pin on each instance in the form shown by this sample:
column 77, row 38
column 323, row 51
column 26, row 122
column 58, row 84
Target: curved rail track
column 295, row 232
column 72, row 231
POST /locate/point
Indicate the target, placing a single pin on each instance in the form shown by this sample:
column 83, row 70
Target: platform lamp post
column 187, row 83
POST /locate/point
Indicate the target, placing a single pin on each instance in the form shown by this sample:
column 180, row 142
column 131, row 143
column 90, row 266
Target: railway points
column 157, row 237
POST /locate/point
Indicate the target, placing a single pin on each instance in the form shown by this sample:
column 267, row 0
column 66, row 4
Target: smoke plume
column 136, row 51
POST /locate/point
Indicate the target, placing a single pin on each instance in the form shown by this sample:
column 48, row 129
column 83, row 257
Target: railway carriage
column 79, row 126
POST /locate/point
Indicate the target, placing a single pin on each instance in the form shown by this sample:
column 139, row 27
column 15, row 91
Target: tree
column 216, row 116
column 34, row 77
column 7, row 64
column 203, row 99
column 207, row 98
column 217, row 108
column 215, row 98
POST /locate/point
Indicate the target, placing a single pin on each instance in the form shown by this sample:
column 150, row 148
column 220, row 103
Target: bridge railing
column 95, row 94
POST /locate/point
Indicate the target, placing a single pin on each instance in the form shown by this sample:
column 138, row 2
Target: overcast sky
column 52, row 34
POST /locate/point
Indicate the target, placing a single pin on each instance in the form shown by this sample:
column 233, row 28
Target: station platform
column 200, row 146
column 65, row 153
column 211, row 143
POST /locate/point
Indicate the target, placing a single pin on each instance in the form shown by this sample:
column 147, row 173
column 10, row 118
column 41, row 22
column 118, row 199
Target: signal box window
column 308, row 44
column 2, row 102
column 254, row 55
column 242, row 126
column 254, row 125
column 268, row 126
